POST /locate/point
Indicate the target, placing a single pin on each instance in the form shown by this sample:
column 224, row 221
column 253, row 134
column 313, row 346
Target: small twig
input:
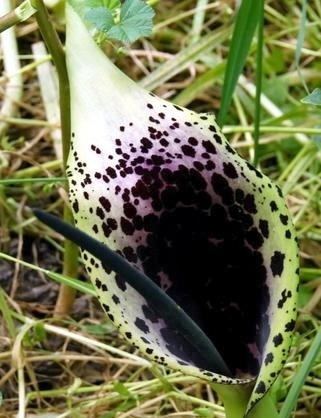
column 9, row 18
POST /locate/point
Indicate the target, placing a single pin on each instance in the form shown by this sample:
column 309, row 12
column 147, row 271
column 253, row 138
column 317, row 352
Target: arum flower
column 160, row 185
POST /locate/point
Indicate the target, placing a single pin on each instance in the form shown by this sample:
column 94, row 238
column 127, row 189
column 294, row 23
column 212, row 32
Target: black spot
column 289, row 326
column 286, row 294
column 106, row 307
column 141, row 324
column 278, row 340
column 230, row 170
column 111, row 172
column 105, row 203
column 193, row 141
column 209, row 147
column 116, row 299
column 261, row 388
column 120, row 282
column 126, row 226
column 188, row 151
column 273, row 206
column 129, row 210
column 75, row 206
column 277, row 263
column 284, row 219
column 268, row 359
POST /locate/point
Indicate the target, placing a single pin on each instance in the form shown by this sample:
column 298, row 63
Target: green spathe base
column 236, row 399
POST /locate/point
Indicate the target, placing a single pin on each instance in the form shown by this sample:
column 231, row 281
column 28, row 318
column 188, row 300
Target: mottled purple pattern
column 162, row 186
column 183, row 207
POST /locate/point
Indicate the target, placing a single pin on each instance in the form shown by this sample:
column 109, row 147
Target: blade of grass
column 310, row 273
column 299, row 43
column 259, row 71
column 200, row 84
column 245, row 25
column 198, row 20
column 6, row 313
column 291, row 399
column 74, row 283
column 18, row 181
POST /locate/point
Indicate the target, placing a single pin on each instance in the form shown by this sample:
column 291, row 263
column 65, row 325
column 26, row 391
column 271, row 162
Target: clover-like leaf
column 101, row 18
column 160, row 185
column 136, row 20
column 313, row 98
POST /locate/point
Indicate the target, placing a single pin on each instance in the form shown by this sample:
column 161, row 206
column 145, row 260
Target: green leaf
column 204, row 413
column 245, row 25
column 136, row 20
column 125, row 22
column 305, row 294
column 109, row 4
column 101, row 18
column 122, row 390
column 313, row 98
column 84, row 6
column 101, row 329
column 276, row 90
column 299, row 379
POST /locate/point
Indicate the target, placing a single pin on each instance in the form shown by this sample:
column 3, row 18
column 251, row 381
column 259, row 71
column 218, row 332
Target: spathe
column 158, row 299
column 162, row 186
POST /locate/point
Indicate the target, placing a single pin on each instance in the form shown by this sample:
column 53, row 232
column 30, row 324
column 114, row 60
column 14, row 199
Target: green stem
column 66, row 294
column 56, row 50
column 236, row 398
column 259, row 64
column 21, row 13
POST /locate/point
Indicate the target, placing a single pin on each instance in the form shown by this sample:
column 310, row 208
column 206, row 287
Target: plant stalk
column 235, row 399
column 70, row 265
